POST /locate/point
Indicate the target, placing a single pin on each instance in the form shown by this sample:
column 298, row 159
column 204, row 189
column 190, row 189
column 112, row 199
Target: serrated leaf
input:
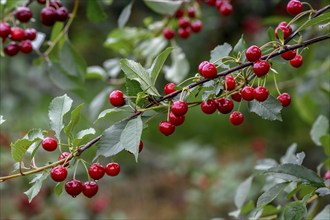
column 323, row 18
column 270, row 109
column 95, row 12
column 271, row 194
column 37, row 184
column 325, row 141
column 294, row 211
column 163, row 6
column 240, row 45
column 124, row 15
column 320, row 128
column 242, row 192
column 179, row 68
column 158, row 63
column 323, row 191
column 57, row 109
column 219, row 52
column 109, row 112
column 83, row 135
column 324, row 214
column 75, row 117
column 135, row 71
column 59, row 188
column 1, row 119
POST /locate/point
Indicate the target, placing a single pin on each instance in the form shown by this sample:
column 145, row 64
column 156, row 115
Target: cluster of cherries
column 223, row 6
column 21, row 39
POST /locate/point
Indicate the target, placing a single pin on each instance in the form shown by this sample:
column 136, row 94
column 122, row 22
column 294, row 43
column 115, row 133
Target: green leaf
column 180, row 66
column 75, row 117
column 109, row 112
column 59, row 188
column 133, row 89
column 240, row 45
column 294, row 211
column 269, row 109
column 37, row 184
column 57, row 109
column 83, row 136
column 324, row 214
column 306, row 107
column 242, row 192
column 95, row 72
column 135, row 71
column 95, row 12
column 271, row 194
column 56, row 30
column 323, row 18
column 220, row 52
column 124, row 15
column 271, row 34
column 325, row 141
column 320, row 128
column 1, row 119
column 158, row 63
column 163, row 6
column 294, row 171
column 280, row 35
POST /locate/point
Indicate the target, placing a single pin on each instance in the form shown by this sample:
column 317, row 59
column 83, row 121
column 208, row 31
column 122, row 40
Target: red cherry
column 30, row 34
column 327, row 175
column 176, row 120
column 140, row 146
column 49, row 144
column 210, row 2
column 179, row 13
column 294, row 7
column 112, row 169
column 48, row 16
column 196, row 26
column 285, row 24
column 59, row 173
column 62, row 14
column 184, row 32
column 73, row 187
column 253, row 53
column 209, row 106
column 4, row 30
column 17, row 34
column 225, row 105
column 116, row 98
column 169, row 88
column 166, row 128
column 230, row 83
column 261, row 93
column 23, row 14
column 237, row 96
column 247, row 93
column 55, row 4
column 200, row 66
column 226, row 9
column 168, row 33
column 297, row 61
column 209, row 71
column 261, row 68
column 184, row 23
column 191, row 12
column 179, row 108
column 289, row 55
column 26, row 46
column 11, row 49
column 236, row 118
column 285, row 99
column 63, row 156
column 41, row 1
column 90, row 189
column 96, row 171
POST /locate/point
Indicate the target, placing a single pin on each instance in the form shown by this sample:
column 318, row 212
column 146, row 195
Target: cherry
column 48, row 16
column 166, row 128
column 23, row 14
column 73, row 187
column 4, row 30
column 179, row 13
column 209, row 71
column 224, row 105
column 286, row 31
column 209, row 106
column 236, row 118
column 49, row 144
column 285, row 24
column 62, row 14
column 289, row 55
column 11, row 49
column 261, row 93
column 261, row 68
column 297, row 61
column 41, row 1
column 210, row 2
column 17, row 34
column 55, row 4
column 191, row 12
column 230, row 83
column 112, row 169
column 30, row 34
column 59, row 173
column 140, row 146
column 96, row 171
column 26, row 46
column 237, row 96
column 168, row 33
column 200, row 66
column 90, row 189
column 184, row 32
column 116, row 98
column 196, row 26
column 226, row 9
column 253, row 53
column 285, row 99
column 176, row 120
column 184, row 23
column 327, row 175
column 294, row 7
column 63, row 156
column 179, row 108
column 169, row 88
column 247, row 93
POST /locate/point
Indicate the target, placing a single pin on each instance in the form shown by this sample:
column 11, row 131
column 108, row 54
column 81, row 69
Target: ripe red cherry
column 327, row 175
column 184, row 23
column 285, row 99
column 184, row 32
column 179, row 13
column 297, row 61
column 140, row 146
column 294, row 7
column 247, row 93
column 17, row 34
column 48, row 16
column 168, row 33
column 225, row 105
column 289, row 55
column 230, row 83
column 49, row 144
column 236, row 118
column 4, row 30
column 179, row 108
column 73, row 187
column 25, row 46
column 285, row 24
column 90, row 189
column 96, row 171
column 253, row 53
column 23, row 14
column 112, row 169
column 261, row 93
column 55, row 4
column 30, row 34
column 210, row 2
column 169, row 88
column 63, row 156
column 209, row 106
column 59, row 173
column 200, row 66
column 196, row 26
column 41, row 1
column 166, row 128
column 176, row 120
column 116, row 98
column 226, row 9
column 261, row 68
column 62, row 14
column 11, row 49
column 237, row 96
column 209, row 71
